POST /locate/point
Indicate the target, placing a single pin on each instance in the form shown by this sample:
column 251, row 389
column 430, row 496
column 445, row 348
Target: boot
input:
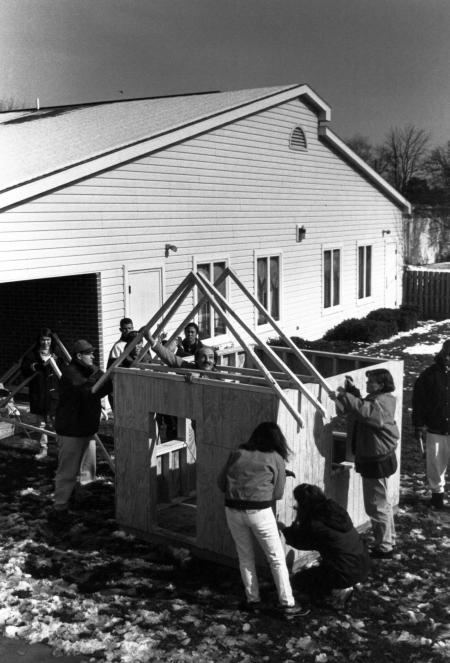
column 437, row 501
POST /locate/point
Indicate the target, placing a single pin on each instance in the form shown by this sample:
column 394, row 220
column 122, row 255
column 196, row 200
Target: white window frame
column 220, row 338
column 268, row 254
column 365, row 298
column 329, row 310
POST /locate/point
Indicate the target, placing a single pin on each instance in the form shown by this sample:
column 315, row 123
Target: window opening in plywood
column 176, row 473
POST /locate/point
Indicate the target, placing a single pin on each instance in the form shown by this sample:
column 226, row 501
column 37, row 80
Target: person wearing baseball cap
column 76, row 422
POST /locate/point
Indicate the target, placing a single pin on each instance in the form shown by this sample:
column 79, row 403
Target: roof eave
column 327, row 135
column 126, row 153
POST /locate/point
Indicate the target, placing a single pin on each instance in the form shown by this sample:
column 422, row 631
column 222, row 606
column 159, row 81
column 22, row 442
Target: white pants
column 76, row 457
column 264, row 527
column 438, row 455
column 379, row 509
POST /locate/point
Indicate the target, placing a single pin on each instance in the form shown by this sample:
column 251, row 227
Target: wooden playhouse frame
column 167, row 491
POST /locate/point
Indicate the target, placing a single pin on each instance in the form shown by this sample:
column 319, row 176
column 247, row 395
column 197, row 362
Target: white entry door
column 144, row 295
column 391, row 275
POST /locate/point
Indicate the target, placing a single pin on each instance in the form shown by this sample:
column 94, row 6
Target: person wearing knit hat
column 431, row 421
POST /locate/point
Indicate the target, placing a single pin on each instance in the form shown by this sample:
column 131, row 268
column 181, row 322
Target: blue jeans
column 379, row 510
column 262, row 523
column 76, row 457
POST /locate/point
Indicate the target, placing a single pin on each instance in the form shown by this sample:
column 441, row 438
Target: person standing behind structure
column 253, row 479
column 77, row 421
column 189, row 345
column 126, row 327
column 431, row 420
column 374, row 435
column 43, row 388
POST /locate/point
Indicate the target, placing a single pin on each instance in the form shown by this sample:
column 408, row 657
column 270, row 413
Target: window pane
column 219, row 324
column 327, row 279
column 360, row 272
column 336, row 276
column 368, row 271
column 204, row 314
column 261, row 278
column 275, row 287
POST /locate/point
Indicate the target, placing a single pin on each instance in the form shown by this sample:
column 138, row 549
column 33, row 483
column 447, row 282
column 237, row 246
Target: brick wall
column 69, row 305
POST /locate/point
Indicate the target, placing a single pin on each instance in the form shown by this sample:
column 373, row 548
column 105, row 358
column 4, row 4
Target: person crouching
column 323, row 525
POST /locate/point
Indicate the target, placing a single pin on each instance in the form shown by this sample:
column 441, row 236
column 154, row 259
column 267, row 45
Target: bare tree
column 438, row 167
column 403, row 155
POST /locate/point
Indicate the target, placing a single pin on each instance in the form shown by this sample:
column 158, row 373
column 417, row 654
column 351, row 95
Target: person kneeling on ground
column 323, row 525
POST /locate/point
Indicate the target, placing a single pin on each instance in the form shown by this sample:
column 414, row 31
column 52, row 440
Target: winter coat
column 252, row 479
column 43, row 388
column 373, row 432
column 329, row 530
column 431, row 399
column 78, row 412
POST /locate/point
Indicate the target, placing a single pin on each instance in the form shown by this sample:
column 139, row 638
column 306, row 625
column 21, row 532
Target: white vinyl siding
column 238, row 189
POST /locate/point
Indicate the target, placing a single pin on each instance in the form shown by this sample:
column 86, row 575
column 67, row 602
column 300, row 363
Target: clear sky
column 378, row 63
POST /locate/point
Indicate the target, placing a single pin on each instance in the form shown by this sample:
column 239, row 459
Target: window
column 209, row 322
column 331, row 277
column 364, row 271
column 268, row 286
column 297, row 140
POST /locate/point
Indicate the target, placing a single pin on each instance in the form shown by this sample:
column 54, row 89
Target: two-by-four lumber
column 271, row 381
column 173, row 297
column 279, row 362
column 279, row 331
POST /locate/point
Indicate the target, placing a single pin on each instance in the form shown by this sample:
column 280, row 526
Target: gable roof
column 42, row 150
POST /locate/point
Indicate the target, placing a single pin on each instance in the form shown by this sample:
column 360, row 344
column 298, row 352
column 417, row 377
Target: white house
column 95, row 198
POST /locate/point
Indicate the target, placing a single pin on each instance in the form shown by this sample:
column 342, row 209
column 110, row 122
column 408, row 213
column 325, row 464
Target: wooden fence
column 429, row 290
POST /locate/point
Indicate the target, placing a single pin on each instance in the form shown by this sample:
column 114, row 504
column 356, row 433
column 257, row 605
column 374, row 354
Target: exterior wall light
column 385, row 232
column 300, row 233
column 168, row 248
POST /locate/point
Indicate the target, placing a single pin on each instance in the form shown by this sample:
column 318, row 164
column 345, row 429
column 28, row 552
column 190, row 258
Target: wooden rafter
column 221, row 306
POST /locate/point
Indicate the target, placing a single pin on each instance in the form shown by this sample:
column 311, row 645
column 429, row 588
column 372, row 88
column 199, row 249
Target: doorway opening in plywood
column 176, row 474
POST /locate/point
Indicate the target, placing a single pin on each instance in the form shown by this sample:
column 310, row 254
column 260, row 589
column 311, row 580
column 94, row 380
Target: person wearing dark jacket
column 431, row 420
column 374, row 434
column 323, row 525
column 77, row 418
column 43, row 388
column 189, row 345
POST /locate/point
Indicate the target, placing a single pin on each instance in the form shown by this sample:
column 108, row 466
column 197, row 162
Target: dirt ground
column 90, row 592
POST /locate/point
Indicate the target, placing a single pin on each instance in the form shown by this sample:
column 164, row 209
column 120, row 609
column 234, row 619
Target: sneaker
column 376, row 553
column 292, row 611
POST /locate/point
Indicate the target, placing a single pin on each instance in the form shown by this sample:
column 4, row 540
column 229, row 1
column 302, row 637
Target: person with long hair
column 324, row 525
column 374, row 435
column 43, row 388
column 252, row 479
